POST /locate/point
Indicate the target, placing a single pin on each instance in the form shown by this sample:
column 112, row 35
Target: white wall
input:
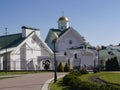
column 63, row 44
column 15, row 60
column 1, row 62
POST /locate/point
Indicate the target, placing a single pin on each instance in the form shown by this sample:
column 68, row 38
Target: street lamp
column 98, row 49
column 54, row 38
column 6, row 51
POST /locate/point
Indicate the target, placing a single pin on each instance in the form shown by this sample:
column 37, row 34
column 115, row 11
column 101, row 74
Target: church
column 27, row 50
column 71, row 47
column 22, row 51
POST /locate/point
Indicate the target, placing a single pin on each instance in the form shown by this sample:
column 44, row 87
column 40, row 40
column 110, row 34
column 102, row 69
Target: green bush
column 85, row 86
column 68, row 78
column 84, row 71
column 72, row 80
column 67, row 67
column 95, row 70
column 76, row 73
column 108, row 87
column 60, row 67
column 75, row 83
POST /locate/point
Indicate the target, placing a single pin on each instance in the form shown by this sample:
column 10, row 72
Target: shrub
column 108, row 87
column 75, row 83
column 60, row 67
column 84, row 71
column 67, row 67
column 68, row 78
column 76, row 73
column 95, row 70
column 85, row 86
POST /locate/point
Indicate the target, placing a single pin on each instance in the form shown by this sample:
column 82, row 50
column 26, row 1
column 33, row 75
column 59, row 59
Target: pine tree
column 107, row 65
column 60, row 67
column 112, row 64
column 115, row 64
column 67, row 67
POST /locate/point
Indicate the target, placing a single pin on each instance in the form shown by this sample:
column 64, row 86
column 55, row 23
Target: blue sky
column 97, row 20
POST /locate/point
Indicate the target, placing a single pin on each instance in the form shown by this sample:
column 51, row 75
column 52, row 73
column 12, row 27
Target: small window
column 75, row 56
column 61, row 28
column 70, row 42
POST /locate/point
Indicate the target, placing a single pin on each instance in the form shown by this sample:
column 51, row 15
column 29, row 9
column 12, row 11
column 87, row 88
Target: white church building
column 27, row 51
column 71, row 47
column 24, row 51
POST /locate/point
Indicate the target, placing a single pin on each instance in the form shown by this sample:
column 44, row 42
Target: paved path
column 26, row 82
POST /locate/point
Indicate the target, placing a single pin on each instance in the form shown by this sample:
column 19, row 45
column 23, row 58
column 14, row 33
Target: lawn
column 86, row 76
column 19, row 72
column 58, row 85
column 107, row 76
column 111, row 77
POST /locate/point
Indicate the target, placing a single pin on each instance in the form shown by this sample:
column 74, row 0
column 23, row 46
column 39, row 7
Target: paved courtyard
column 26, row 82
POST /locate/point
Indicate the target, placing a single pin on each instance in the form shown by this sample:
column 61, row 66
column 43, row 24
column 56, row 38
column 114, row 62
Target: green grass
column 86, row 76
column 6, row 78
column 58, row 85
column 19, row 72
column 110, row 77
column 107, row 76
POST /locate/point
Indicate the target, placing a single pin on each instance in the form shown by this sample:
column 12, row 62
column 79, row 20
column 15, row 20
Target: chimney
column 27, row 30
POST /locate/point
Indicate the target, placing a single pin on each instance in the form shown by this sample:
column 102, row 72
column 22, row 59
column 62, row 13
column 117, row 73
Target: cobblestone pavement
column 26, row 82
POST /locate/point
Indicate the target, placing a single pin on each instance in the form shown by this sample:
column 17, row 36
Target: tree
column 67, row 67
column 115, row 66
column 60, row 67
column 107, row 65
column 112, row 64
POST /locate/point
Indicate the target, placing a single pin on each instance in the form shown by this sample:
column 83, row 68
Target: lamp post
column 6, row 51
column 98, row 49
column 54, row 38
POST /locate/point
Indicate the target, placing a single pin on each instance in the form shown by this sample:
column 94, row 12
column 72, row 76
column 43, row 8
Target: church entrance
column 45, row 63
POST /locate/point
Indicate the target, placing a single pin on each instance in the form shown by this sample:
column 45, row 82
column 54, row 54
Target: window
column 70, row 41
column 61, row 28
column 75, row 56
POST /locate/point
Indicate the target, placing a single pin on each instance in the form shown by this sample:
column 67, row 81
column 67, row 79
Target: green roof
column 105, row 54
column 57, row 31
column 10, row 41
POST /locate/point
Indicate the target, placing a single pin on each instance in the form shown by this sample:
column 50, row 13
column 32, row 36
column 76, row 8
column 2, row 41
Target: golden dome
column 63, row 18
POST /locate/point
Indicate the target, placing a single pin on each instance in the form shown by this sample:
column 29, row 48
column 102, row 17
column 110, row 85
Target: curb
column 46, row 84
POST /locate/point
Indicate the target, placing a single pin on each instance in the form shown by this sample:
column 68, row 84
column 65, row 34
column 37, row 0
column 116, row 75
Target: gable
column 71, row 34
column 33, row 42
column 39, row 44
